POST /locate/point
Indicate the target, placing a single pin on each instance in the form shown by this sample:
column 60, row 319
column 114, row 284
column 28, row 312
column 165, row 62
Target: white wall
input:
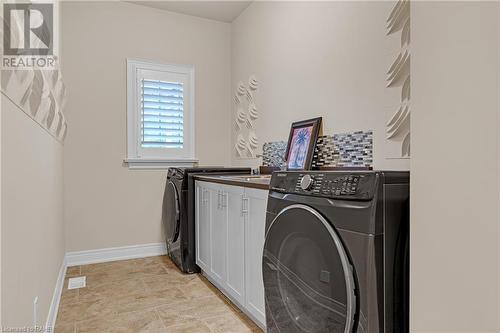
column 32, row 237
column 324, row 59
column 455, row 175
column 106, row 204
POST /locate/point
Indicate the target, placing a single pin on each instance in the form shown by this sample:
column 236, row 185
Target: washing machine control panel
column 342, row 185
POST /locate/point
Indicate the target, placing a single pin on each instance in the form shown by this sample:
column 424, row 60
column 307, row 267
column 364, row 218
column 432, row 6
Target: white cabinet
column 235, row 277
column 254, row 245
column 230, row 235
column 218, row 235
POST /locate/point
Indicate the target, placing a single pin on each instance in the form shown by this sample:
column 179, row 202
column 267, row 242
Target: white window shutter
column 162, row 112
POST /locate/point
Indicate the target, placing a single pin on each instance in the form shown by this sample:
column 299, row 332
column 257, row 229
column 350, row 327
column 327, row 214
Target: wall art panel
column 399, row 77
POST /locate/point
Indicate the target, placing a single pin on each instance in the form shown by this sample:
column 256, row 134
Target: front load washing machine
column 336, row 252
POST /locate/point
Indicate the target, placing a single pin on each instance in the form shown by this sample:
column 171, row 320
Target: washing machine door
column 171, row 212
column 308, row 279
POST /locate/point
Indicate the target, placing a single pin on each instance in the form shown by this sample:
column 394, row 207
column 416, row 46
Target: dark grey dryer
column 336, row 252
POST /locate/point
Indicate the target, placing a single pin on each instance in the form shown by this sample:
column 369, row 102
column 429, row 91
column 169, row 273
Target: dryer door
column 308, row 279
column 171, row 212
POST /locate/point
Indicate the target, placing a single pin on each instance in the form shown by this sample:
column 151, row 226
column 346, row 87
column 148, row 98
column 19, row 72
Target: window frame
column 136, row 156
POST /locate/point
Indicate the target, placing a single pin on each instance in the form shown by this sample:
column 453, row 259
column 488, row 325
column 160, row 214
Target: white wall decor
column 252, row 82
column 245, row 118
column 240, row 146
column 252, row 144
column 40, row 94
column 398, row 77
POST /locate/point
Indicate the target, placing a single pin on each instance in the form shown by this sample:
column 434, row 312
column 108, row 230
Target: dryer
column 336, row 254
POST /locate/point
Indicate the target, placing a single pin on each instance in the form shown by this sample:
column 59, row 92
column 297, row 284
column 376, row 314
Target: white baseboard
column 56, row 297
column 114, row 254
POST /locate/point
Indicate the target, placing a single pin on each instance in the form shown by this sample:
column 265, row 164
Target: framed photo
column 301, row 143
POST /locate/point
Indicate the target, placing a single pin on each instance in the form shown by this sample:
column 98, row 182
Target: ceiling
column 225, row 11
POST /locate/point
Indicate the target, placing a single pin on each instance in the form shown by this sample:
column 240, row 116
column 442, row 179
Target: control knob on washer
column 306, row 182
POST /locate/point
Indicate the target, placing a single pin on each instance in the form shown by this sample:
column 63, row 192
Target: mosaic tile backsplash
column 344, row 150
column 273, row 153
column 340, row 150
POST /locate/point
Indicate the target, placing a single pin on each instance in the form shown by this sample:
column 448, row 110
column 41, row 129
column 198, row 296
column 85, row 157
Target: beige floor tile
column 112, row 290
column 105, row 277
column 137, row 322
column 118, row 274
column 167, row 281
column 163, row 260
column 85, row 310
column 197, row 288
column 147, row 300
column 68, row 296
column 108, row 266
column 210, row 307
column 73, row 271
column 192, row 327
column 64, row 328
column 230, row 323
column 176, row 315
column 146, row 295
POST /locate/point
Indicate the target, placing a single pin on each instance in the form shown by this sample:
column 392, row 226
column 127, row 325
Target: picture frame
column 301, row 143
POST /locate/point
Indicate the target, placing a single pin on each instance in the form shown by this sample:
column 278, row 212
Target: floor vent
column 77, row 282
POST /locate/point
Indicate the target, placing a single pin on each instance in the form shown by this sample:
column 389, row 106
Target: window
column 160, row 117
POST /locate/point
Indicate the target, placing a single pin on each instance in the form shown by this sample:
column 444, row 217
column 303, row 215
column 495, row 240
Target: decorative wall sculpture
column 245, row 118
column 398, row 77
column 41, row 94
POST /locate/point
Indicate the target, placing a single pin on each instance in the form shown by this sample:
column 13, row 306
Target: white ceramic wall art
column 252, row 115
column 249, row 95
column 241, row 89
column 240, row 146
column 253, row 83
column 398, row 17
column 398, row 77
column 252, row 144
column 240, row 118
column 35, row 93
column 400, row 70
column 41, row 94
column 245, row 118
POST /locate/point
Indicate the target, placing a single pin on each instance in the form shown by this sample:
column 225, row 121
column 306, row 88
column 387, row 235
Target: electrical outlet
column 35, row 311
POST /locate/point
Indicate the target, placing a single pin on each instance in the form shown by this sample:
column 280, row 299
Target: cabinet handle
column 224, row 200
column 244, row 205
column 218, row 200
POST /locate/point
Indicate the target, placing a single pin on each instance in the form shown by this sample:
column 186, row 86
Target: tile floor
column 146, row 295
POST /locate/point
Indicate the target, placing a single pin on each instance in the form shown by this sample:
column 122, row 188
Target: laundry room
column 250, row 166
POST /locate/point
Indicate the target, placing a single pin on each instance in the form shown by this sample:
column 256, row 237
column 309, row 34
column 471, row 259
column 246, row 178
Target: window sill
column 144, row 163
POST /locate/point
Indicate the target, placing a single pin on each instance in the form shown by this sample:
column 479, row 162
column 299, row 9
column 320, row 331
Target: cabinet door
column 235, row 278
column 218, row 232
column 202, row 219
column 255, row 206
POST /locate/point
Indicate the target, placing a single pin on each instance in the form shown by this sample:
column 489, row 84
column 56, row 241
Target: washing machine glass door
column 171, row 211
column 308, row 280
